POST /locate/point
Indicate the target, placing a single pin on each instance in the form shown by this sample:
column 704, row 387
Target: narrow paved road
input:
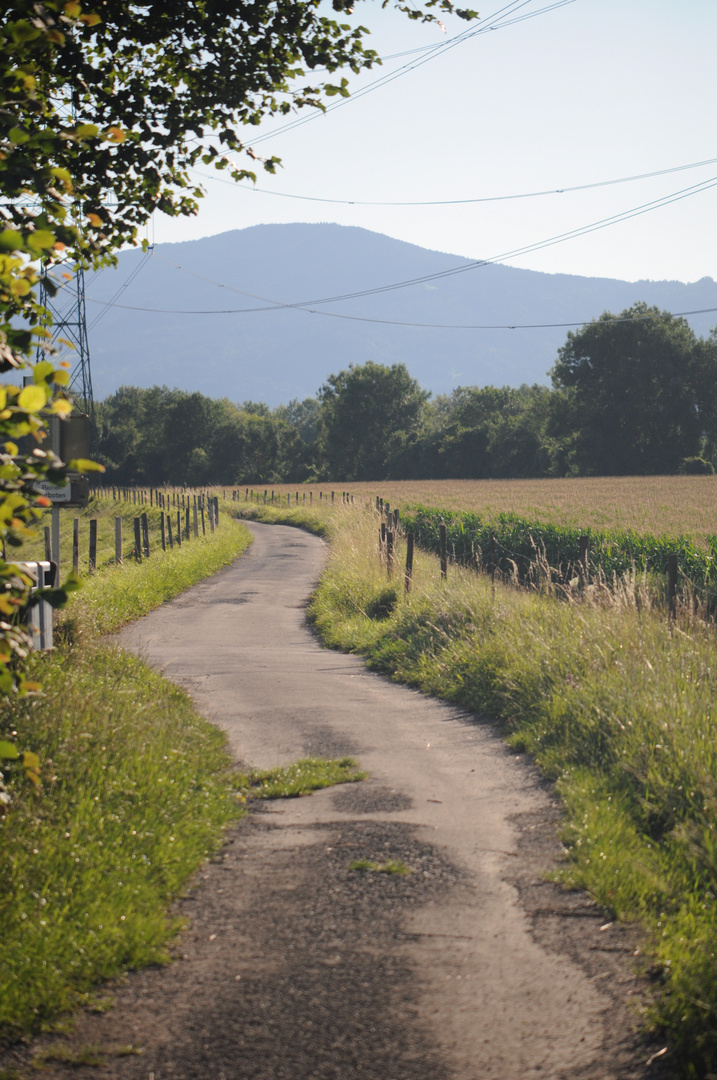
column 295, row 966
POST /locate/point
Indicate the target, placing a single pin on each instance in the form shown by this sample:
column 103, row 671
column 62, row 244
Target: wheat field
column 661, row 505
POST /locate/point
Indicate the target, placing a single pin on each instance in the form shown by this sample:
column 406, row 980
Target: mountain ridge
column 242, row 352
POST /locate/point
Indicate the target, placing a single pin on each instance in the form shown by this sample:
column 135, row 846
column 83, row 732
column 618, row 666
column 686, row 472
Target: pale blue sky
column 592, row 91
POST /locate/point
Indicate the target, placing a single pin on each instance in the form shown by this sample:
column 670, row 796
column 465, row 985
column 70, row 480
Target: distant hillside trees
column 478, row 432
column 159, row 436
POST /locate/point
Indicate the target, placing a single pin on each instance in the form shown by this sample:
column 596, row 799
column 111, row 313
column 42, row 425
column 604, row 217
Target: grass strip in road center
column 301, row 778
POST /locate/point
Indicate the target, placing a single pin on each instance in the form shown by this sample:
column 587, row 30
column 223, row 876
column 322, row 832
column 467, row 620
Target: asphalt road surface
column 294, row 965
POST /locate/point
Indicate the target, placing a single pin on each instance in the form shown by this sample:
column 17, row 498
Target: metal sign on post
column 70, row 439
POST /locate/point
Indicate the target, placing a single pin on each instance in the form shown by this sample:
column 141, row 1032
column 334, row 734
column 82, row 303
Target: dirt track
column 295, row 966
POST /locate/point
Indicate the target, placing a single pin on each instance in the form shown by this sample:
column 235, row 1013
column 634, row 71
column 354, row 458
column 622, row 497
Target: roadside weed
column 391, row 866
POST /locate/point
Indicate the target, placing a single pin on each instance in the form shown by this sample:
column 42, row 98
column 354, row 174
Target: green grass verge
column 136, row 789
column 615, row 705
column 118, row 594
column 321, row 520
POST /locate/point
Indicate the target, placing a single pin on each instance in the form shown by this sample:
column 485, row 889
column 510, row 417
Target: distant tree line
column 631, row 394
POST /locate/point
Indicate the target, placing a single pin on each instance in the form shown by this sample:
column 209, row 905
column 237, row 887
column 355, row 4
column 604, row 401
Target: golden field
column 662, row 505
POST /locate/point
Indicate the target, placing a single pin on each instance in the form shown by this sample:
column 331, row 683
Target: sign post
column 69, row 439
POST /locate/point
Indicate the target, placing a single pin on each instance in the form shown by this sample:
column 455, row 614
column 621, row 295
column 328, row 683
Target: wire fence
column 529, row 553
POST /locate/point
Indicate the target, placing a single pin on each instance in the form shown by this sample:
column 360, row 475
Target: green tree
column 631, row 384
column 368, row 414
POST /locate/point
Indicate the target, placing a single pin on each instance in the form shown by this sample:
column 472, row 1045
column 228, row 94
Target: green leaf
column 83, row 465
column 32, row 398
column 42, row 371
column 18, row 136
column 41, row 240
column 86, row 131
column 11, row 240
column 8, row 750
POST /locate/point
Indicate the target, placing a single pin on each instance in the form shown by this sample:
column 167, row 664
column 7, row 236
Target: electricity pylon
column 68, row 336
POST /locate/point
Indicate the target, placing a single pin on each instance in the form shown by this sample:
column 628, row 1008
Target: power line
column 122, row 288
column 461, row 202
column 572, row 234
column 497, row 21
column 463, row 268
column 398, row 322
column 309, row 305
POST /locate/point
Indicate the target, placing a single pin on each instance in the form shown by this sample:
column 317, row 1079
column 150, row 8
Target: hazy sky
column 594, row 90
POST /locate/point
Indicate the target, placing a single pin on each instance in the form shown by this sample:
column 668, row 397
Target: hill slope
column 276, row 355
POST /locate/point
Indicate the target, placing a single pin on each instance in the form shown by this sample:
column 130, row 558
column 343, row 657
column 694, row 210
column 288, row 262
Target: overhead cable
column 309, row 305
column 460, row 202
column 496, row 21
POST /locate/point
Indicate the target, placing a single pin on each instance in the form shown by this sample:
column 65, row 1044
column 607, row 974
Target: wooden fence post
column 195, row 521
column 179, row 528
column 443, row 552
column 118, row 541
column 76, row 545
column 48, row 544
column 409, row 561
column 389, row 552
column 145, row 534
column 204, row 527
column 163, row 530
column 169, row 531
column 186, row 521
column 137, row 540
column 216, row 510
column 672, row 585
column 93, row 546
